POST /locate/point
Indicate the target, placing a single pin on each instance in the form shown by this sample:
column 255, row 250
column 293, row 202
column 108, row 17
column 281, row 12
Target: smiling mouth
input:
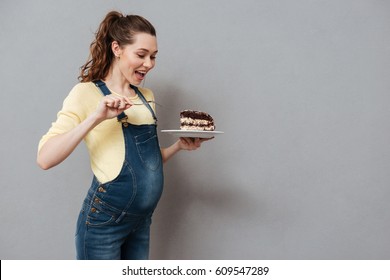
column 140, row 74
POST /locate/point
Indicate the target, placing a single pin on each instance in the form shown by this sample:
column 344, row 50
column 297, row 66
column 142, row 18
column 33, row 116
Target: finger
column 111, row 102
column 185, row 140
column 128, row 101
column 192, row 140
column 197, row 142
column 122, row 104
column 127, row 106
column 189, row 144
column 206, row 139
column 117, row 103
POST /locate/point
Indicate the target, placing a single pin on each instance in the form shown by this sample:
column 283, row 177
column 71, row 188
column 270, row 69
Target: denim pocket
column 99, row 214
column 148, row 150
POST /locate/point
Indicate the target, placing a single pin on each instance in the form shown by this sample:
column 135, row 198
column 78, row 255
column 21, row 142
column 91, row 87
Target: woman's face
column 137, row 59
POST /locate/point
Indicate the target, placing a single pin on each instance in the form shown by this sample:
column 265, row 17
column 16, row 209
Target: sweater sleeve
column 73, row 112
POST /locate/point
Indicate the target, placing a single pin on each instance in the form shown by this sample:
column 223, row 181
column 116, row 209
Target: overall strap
column 104, row 89
column 141, row 96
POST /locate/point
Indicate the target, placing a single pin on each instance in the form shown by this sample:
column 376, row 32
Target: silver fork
column 148, row 102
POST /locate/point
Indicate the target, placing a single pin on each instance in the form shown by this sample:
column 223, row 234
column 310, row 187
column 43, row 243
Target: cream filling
column 192, row 127
column 194, row 122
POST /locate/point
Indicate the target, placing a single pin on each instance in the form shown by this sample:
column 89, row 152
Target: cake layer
column 196, row 115
column 196, row 120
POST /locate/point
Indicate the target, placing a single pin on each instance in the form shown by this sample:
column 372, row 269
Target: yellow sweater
column 105, row 142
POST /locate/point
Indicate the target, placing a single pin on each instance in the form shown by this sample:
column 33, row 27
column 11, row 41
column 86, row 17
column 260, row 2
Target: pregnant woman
column 117, row 121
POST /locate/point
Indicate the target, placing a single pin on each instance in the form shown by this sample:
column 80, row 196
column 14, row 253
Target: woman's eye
column 143, row 56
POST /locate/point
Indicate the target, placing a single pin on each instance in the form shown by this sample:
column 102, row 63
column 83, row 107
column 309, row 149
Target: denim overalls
column 114, row 222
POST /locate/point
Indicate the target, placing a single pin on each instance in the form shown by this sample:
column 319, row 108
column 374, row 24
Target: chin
column 135, row 82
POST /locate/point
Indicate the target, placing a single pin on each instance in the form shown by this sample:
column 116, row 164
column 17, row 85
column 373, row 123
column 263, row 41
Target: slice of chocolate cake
column 196, row 120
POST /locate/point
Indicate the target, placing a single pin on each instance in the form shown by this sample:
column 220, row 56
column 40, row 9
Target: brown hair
column 114, row 27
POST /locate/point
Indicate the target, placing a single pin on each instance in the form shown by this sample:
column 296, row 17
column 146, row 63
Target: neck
column 118, row 84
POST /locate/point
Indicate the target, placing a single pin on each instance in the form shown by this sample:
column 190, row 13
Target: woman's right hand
column 59, row 147
column 111, row 106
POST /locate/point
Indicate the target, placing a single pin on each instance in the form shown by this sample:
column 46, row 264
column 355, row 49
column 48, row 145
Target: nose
column 148, row 62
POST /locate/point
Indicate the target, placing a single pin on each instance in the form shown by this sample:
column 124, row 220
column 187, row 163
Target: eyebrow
column 146, row 50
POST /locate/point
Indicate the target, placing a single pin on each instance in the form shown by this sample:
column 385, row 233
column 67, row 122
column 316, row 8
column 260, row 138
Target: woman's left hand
column 190, row 144
column 184, row 143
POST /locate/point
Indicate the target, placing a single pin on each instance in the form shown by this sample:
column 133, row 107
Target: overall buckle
column 124, row 121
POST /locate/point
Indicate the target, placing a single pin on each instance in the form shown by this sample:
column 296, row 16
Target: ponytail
column 114, row 27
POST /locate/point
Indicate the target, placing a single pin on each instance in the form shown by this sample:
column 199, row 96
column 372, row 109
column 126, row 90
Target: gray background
column 300, row 88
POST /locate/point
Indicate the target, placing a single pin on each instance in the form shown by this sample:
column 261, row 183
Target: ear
column 116, row 49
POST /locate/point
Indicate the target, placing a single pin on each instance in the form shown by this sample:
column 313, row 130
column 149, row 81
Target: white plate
column 192, row 133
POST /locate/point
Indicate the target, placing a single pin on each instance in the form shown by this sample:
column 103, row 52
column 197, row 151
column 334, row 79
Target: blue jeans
column 114, row 221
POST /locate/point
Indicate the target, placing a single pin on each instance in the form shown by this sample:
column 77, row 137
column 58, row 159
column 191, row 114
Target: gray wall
column 300, row 88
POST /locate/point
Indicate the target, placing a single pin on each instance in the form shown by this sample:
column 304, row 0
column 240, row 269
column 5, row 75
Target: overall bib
column 114, row 221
